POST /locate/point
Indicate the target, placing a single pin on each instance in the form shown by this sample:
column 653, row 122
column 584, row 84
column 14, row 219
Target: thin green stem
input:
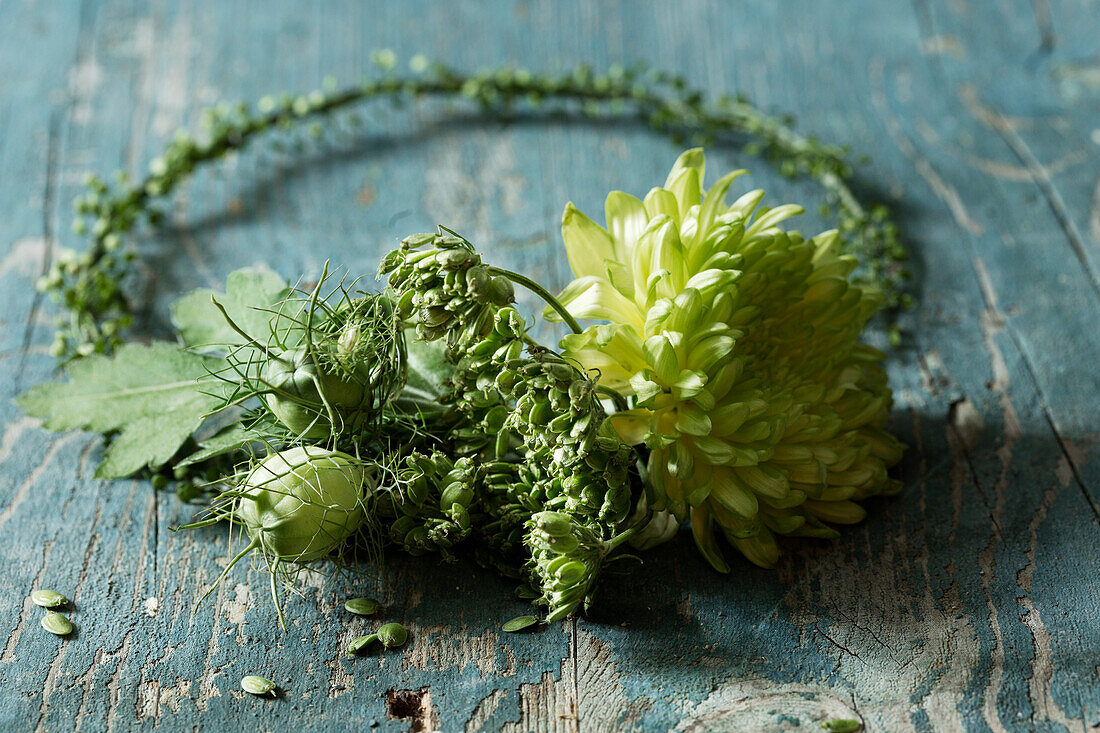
column 92, row 288
column 543, row 293
column 615, row 395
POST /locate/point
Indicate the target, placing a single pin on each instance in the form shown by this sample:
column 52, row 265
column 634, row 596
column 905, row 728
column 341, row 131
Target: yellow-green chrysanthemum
column 738, row 342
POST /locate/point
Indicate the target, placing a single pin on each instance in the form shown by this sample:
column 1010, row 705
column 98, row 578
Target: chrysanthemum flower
column 739, row 345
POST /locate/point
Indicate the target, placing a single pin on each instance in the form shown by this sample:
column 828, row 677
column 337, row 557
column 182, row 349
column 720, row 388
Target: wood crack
column 840, row 646
column 989, row 297
column 1040, row 176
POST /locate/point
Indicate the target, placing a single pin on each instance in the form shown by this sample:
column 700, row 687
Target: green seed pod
column 456, row 493
column 392, row 635
column 298, row 383
column 361, row 643
column 49, row 599
column 362, row 606
column 303, row 503
column 55, row 623
column 519, row 623
column 258, row 686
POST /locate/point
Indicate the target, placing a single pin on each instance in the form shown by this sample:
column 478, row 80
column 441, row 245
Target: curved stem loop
column 543, row 293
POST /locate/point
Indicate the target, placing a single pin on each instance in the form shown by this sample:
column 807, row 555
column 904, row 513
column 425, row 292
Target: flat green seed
column 362, row 606
column 361, row 643
column 55, row 623
column 254, row 685
column 519, row 623
column 842, row 725
column 49, row 599
column 392, row 635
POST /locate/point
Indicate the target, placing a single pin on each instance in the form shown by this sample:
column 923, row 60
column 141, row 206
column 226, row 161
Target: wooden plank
column 962, row 604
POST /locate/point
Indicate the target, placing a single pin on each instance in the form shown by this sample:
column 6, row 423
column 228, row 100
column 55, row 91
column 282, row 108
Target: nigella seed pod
column 478, row 282
column 540, row 413
column 452, row 259
column 561, row 424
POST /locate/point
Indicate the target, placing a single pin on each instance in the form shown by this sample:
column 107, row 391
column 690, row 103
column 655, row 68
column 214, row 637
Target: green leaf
column 151, row 395
column 427, row 371
column 250, row 296
column 228, row 439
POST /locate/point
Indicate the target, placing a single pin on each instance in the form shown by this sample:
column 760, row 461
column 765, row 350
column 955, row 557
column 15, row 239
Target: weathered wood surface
column 968, row 602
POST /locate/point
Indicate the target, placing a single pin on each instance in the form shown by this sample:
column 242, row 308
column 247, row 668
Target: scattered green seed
column 362, row 606
column 258, row 686
column 361, row 643
column 55, row 623
column 842, row 725
column 392, row 635
column 519, row 623
column 49, row 599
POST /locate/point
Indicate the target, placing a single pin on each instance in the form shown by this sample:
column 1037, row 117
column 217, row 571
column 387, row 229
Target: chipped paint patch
column 759, row 704
column 239, row 605
column 966, row 421
column 437, row 648
column 588, row 693
column 483, row 711
column 413, row 707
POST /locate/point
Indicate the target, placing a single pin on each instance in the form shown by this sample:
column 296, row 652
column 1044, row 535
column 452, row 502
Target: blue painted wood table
column 969, row 602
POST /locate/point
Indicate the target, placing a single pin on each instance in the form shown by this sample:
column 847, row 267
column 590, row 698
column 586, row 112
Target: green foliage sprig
column 91, row 286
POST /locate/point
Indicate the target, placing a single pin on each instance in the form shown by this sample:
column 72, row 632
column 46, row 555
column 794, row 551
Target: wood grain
column 966, row 603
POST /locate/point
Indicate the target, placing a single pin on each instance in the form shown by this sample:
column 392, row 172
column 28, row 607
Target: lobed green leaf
column 250, row 296
column 153, row 396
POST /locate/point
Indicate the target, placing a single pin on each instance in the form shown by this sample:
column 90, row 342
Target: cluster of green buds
column 543, row 436
column 432, row 503
column 552, row 410
column 566, row 557
column 444, row 285
column 565, row 429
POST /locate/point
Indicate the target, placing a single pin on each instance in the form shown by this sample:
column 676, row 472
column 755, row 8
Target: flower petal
column 702, row 528
column 632, row 425
column 626, row 220
column 613, row 350
column 668, row 255
column 685, row 180
column 587, row 244
column 687, row 189
column 660, row 201
column 714, row 204
column 772, row 217
column 693, row 160
column 641, row 257
column 596, row 298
